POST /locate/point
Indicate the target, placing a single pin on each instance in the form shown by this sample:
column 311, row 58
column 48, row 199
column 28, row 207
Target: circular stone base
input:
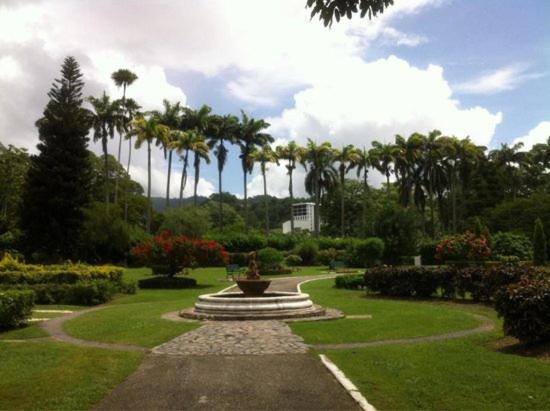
column 237, row 306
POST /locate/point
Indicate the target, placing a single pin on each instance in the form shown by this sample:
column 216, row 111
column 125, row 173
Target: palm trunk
column 149, row 207
column 106, row 170
column 365, row 189
column 453, row 199
column 317, row 201
column 388, row 184
column 168, row 180
column 183, row 177
column 342, row 210
column 245, row 201
column 265, row 203
column 220, row 199
column 118, row 160
column 197, row 170
column 290, row 191
column 432, row 212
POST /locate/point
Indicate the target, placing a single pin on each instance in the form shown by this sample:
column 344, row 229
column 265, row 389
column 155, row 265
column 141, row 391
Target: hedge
column 525, row 308
column 352, row 282
column 15, row 307
column 167, row 283
column 69, row 274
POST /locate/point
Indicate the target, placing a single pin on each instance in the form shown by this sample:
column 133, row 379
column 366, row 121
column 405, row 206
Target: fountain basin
column 238, row 306
column 253, row 287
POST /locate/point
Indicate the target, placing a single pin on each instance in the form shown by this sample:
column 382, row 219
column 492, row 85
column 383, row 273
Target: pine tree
column 59, row 177
column 540, row 254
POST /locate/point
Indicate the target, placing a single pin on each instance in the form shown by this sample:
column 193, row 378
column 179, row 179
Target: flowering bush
column 463, row 247
column 177, row 252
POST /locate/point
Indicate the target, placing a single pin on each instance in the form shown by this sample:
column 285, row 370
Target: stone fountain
column 253, row 302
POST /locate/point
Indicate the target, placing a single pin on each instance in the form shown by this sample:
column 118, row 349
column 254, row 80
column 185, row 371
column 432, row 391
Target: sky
column 477, row 68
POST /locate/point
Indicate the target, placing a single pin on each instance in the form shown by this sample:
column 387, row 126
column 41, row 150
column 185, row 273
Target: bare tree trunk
column 342, row 210
column 197, row 170
column 183, row 177
column 290, row 190
column 168, row 179
column 106, row 171
column 149, row 206
column 265, row 204
column 220, row 199
column 245, row 201
column 317, row 201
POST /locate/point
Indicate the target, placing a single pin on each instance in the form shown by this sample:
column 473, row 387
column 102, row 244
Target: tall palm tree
column 184, row 143
column 221, row 129
column 249, row 137
column 201, row 151
column 292, row 153
column 123, row 78
column 347, row 159
column 264, row 156
column 149, row 130
column 364, row 162
column 130, row 112
column 511, row 159
column 383, row 156
column 318, row 161
column 433, row 171
column 105, row 118
column 171, row 118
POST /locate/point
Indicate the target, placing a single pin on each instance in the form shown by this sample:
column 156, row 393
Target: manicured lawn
column 136, row 319
column 460, row 374
column 23, row 333
column 59, row 376
column 391, row 319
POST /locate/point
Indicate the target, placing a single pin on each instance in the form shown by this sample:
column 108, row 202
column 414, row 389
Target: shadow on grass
column 510, row 345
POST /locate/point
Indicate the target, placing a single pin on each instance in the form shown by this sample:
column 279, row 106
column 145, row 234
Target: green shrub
column 403, row 281
column 269, row 259
column 325, row 257
column 352, row 282
column 293, row 260
column 167, row 283
column 192, row 222
column 427, row 252
column 69, row 274
column 511, row 244
column 282, row 242
column 525, row 308
column 326, row 243
column 540, row 254
column 241, row 259
column 365, row 253
column 307, row 250
column 15, row 307
column 241, row 242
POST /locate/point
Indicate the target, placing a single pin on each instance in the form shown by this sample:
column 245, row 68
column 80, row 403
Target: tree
column 58, row 180
column 123, row 78
column 433, row 172
column 149, row 130
column 540, row 254
column 14, row 163
column 383, row 156
column 201, row 151
column 193, row 222
column 171, row 118
column 264, row 156
column 364, row 162
column 329, row 10
column 318, row 160
column 221, row 129
column 292, row 153
column 348, row 159
column 106, row 118
column 249, row 137
column 511, row 159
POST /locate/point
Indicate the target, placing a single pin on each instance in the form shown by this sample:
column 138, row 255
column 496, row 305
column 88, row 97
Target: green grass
column 59, row 376
column 391, row 319
column 460, row 374
column 23, row 333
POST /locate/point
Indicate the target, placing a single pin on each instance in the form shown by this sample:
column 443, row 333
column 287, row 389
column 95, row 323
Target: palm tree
column 171, row 118
column 105, row 119
column 292, row 153
column 149, row 130
column 130, row 112
column 364, row 162
column 201, row 151
column 264, row 156
column 249, row 137
column 383, row 156
column 433, row 171
column 220, row 130
column 347, row 158
column 318, row 160
column 510, row 158
column 185, row 142
column 123, row 78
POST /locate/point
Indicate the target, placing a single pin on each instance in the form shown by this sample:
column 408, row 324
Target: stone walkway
column 235, row 338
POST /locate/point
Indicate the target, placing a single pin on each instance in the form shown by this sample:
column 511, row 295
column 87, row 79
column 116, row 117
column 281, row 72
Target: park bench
column 232, row 269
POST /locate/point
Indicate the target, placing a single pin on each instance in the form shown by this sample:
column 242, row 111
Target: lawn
column 391, row 319
column 50, row 375
column 136, row 319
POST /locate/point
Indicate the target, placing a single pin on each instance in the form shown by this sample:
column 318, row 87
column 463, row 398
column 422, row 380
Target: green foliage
column 80, row 293
column 540, row 252
column 365, row 253
column 399, row 229
column 14, row 163
column 293, row 260
column 351, row 282
column 15, row 307
column 328, row 10
column 509, row 244
column 193, row 222
column 325, row 257
column 232, row 220
column 307, row 250
column 462, row 248
column 525, row 307
column 167, row 283
column 269, row 259
column 240, row 242
column 241, row 259
column 59, row 177
column 427, row 251
column 282, row 242
column 402, row 282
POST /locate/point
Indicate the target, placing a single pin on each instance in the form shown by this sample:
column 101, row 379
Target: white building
column 303, row 218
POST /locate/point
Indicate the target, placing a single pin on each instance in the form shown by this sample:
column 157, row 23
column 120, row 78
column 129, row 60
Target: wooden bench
column 231, row 270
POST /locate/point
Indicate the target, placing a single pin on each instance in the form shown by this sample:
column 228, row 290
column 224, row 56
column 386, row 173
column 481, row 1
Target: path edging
column 345, row 382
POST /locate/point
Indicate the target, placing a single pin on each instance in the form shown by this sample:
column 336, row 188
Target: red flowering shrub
column 175, row 253
column 463, row 247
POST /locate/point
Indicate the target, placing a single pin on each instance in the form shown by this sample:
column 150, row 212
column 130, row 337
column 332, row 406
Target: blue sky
column 476, row 68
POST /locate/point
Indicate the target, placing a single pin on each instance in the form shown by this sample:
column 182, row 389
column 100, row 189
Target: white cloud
column 503, row 79
column 537, row 135
column 277, row 182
